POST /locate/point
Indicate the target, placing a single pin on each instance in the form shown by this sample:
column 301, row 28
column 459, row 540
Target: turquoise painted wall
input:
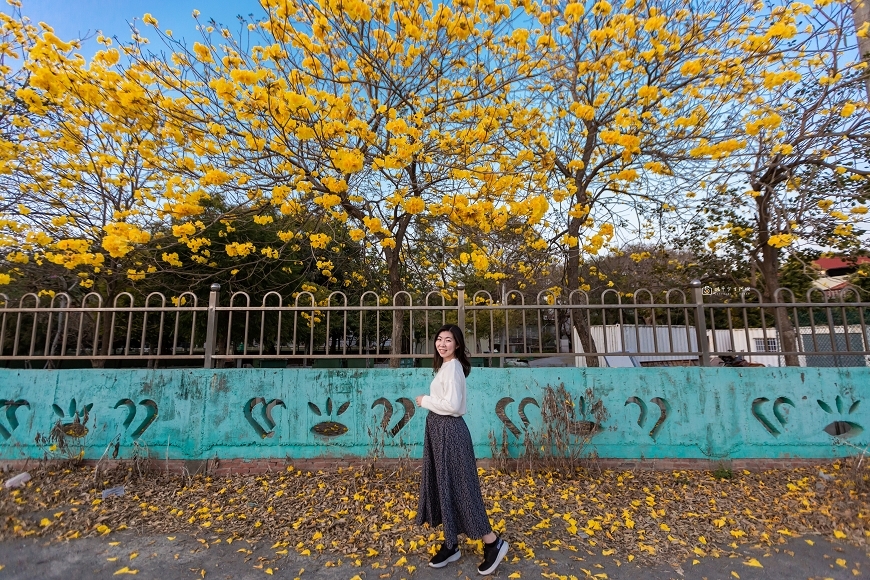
column 255, row 413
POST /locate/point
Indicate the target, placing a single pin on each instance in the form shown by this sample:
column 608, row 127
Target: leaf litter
column 366, row 516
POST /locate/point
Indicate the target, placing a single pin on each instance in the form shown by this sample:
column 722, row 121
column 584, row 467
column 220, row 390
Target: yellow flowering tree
column 515, row 258
column 86, row 176
column 16, row 38
column 379, row 117
column 629, row 84
column 802, row 131
column 98, row 193
column 501, row 132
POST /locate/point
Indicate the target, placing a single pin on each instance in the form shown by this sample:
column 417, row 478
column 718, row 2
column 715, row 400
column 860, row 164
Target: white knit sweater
column 447, row 391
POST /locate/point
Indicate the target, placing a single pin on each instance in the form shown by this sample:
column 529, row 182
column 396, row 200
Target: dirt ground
column 347, row 523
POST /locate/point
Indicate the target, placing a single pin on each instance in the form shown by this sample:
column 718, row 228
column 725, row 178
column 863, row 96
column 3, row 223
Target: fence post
column 700, row 323
column 460, row 306
column 211, row 326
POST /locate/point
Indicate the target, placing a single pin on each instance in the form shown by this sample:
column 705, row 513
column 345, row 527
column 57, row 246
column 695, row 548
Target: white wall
column 624, row 340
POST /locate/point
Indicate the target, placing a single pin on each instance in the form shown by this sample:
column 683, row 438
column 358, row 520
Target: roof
column 831, row 283
column 834, row 263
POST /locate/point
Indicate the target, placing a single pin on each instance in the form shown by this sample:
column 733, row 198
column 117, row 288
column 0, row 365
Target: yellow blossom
column 574, row 12
column 319, row 241
column 847, row 110
column 414, row 205
column 239, row 250
column 172, row 259
column 121, row 237
column 781, row 240
column 691, row 68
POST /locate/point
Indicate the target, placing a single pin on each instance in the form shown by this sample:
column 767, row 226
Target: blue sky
column 79, row 18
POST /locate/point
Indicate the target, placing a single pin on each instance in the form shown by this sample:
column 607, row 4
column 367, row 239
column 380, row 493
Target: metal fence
column 677, row 327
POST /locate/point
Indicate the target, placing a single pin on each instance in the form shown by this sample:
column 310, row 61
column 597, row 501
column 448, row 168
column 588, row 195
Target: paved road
column 184, row 557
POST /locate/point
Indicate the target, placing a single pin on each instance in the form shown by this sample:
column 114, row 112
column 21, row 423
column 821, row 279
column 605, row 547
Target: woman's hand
column 419, row 400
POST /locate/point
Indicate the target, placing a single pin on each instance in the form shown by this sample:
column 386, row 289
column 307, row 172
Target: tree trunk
column 55, row 341
column 572, row 279
column 393, row 263
column 101, row 340
column 102, row 345
column 769, row 268
column 586, row 340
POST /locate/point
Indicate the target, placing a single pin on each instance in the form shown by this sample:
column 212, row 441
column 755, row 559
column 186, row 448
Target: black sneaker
column 444, row 556
column 492, row 556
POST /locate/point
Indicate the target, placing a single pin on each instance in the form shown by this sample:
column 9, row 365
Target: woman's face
column 446, row 345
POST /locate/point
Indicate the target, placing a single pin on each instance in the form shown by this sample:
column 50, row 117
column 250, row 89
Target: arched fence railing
column 696, row 326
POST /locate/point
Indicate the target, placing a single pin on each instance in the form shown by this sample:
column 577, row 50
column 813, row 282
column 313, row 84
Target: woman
column 450, row 489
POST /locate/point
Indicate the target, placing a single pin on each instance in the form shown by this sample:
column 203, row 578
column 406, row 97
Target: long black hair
column 461, row 352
